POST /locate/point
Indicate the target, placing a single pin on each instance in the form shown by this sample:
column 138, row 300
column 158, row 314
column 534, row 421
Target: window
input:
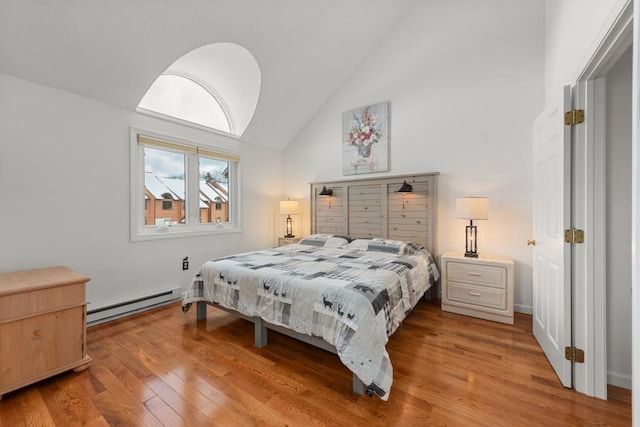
column 188, row 100
column 215, row 86
column 181, row 188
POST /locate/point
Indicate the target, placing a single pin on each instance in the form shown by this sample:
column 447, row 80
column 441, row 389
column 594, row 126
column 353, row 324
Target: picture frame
column 365, row 139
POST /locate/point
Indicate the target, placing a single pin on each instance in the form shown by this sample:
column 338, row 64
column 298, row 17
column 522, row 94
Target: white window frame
column 187, row 123
column 142, row 232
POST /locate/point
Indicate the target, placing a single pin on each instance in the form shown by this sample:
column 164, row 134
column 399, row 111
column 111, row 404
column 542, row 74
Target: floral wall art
column 365, row 139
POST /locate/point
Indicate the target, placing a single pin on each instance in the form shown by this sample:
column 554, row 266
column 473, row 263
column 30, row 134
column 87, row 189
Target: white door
column 551, row 216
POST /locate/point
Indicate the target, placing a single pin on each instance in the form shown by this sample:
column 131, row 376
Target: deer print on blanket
column 226, row 289
column 339, row 308
column 272, row 300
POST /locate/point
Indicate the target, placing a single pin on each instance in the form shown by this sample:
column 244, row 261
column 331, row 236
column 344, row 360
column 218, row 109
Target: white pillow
column 384, row 245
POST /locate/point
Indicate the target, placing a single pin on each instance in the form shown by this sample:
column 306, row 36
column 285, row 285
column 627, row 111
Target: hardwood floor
column 164, row 368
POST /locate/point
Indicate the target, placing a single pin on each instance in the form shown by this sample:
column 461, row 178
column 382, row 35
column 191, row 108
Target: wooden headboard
column 366, row 208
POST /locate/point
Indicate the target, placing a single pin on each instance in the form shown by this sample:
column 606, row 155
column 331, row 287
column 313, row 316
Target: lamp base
column 289, row 228
column 471, row 241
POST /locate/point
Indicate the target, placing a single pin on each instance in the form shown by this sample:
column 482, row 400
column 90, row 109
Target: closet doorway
column 602, row 207
column 617, row 200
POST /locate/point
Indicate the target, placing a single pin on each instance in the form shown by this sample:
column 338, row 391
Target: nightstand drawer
column 284, row 241
column 479, row 274
column 477, row 295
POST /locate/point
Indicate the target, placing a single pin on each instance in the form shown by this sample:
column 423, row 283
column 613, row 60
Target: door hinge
column 574, row 354
column 574, row 235
column 573, row 117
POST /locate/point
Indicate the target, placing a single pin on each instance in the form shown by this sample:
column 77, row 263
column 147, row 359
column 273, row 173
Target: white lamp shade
column 288, row 207
column 472, row 208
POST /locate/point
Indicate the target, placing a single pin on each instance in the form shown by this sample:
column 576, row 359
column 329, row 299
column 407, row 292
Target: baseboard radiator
column 107, row 313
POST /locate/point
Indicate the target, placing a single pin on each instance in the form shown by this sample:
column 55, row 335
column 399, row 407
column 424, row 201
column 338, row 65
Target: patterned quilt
column 353, row 296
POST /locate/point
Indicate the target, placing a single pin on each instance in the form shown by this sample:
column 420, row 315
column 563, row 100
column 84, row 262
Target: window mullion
column 193, row 189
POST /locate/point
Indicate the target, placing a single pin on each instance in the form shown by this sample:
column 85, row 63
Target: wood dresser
column 42, row 325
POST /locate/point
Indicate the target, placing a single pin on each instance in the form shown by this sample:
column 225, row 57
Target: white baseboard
column 618, row 379
column 526, row 309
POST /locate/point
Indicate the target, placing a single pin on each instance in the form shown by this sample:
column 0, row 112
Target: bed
column 343, row 294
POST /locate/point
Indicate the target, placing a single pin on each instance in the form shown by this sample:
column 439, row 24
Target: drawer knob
column 474, row 294
column 471, row 273
column 37, row 333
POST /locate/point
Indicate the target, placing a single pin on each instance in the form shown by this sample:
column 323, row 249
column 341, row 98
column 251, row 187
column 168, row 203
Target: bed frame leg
column 358, row 386
column 201, row 310
column 261, row 332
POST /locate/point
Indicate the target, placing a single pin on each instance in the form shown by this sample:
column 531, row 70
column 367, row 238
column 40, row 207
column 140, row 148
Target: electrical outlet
column 185, row 263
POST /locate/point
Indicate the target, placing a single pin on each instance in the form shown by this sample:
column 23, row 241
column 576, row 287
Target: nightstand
column 479, row 287
column 284, row 241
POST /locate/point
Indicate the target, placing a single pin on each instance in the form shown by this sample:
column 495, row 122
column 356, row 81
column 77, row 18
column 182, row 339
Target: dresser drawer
column 32, row 348
column 477, row 295
column 20, row 305
column 486, row 275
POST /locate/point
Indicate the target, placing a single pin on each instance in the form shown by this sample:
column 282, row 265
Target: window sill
column 176, row 232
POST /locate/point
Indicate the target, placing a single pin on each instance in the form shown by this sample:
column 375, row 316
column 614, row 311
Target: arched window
column 216, row 86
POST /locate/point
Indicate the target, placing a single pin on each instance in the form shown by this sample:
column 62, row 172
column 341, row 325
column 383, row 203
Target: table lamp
column 472, row 208
column 289, row 207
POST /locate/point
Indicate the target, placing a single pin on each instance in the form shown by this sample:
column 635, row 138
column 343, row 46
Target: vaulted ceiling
column 112, row 51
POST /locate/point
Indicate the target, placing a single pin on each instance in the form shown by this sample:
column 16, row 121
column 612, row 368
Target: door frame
column 588, row 206
column 635, row 215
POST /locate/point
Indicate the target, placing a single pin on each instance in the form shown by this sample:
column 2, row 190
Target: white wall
column 618, row 189
column 573, row 30
column 64, row 174
column 465, row 81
